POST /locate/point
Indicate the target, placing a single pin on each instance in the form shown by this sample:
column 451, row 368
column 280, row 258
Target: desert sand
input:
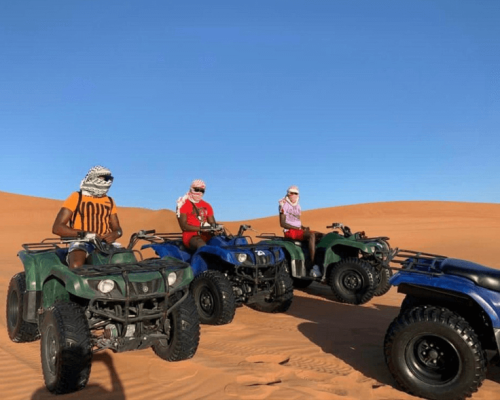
column 319, row 349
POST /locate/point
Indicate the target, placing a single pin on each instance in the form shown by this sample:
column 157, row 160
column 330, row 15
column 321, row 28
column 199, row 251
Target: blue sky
column 354, row 101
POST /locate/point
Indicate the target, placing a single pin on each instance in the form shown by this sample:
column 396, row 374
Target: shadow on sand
column 91, row 390
column 354, row 334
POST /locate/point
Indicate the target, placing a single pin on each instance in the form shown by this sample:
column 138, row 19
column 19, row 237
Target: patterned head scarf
column 94, row 186
column 191, row 195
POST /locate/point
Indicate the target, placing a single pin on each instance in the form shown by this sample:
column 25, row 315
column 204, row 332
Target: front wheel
column 65, row 348
column 280, row 298
column 434, row 353
column 214, row 298
column 352, row 281
column 19, row 330
column 182, row 327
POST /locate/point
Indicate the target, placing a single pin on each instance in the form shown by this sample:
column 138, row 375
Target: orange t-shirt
column 93, row 214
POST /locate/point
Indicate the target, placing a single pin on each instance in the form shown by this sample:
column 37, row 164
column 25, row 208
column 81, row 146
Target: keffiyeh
column 293, row 199
column 92, row 185
column 191, row 195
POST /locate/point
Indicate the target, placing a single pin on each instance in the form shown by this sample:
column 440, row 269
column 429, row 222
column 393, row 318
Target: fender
column 294, row 251
column 165, row 249
column 488, row 300
column 222, row 241
column 45, row 277
column 220, row 252
column 41, row 267
column 333, row 239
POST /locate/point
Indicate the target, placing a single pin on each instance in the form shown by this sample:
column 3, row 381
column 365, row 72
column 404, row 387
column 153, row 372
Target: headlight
column 172, row 277
column 242, row 257
column 106, row 286
column 373, row 249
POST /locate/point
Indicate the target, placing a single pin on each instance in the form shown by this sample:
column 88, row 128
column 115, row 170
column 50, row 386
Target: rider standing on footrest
column 289, row 213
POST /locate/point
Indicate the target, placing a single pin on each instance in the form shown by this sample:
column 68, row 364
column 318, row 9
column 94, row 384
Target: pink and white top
column 292, row 213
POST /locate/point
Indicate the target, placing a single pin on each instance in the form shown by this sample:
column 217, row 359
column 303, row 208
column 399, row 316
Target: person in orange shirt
column 89, row 210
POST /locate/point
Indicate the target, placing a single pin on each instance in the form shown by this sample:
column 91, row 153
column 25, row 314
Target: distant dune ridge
column 319, row 349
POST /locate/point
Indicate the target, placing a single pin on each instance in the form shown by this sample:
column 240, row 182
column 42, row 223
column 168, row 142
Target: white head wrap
column 293, row 189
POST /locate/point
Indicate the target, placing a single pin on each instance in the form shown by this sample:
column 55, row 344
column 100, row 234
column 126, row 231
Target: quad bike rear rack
column 45, row 245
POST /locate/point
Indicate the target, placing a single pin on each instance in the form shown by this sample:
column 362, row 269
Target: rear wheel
column 214, row 298
column 65, row 348
column 383, row 285
column 352, row 281
column 434, row 353
column 280, row 298
column 19, row 330
column 182, row 328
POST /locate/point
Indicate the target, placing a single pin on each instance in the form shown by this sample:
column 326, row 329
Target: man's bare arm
column 61, row 227
column 182, row 220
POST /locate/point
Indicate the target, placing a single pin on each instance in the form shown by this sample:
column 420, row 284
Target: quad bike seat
column 62, row 253
column 488, row 278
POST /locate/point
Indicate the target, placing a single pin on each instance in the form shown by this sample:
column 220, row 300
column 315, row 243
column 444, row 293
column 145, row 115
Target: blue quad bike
column 230, row 271
column 436, row 347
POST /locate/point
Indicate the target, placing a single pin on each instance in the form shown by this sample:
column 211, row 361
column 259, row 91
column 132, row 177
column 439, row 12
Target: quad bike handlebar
column 82, row 236
column 212, row 228
column 335, row 225
column 149, row 235
column 345, row 229
column 244, row 228
column 99, row 243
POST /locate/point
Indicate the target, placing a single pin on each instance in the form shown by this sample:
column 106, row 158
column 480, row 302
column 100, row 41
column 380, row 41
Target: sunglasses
column 293, row 193
column 106, row 178
column 199, row 190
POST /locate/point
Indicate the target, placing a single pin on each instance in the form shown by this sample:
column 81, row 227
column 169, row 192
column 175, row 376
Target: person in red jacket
column 192, row 214
column 89, row 210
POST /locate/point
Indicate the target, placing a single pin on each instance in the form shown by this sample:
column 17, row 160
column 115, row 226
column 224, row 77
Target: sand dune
column 319, row 349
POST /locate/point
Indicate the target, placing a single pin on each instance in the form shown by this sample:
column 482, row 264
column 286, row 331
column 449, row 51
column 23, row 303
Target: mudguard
column 224, row 241
column 334, row 239
column 295, row 252
column 41, row 266
column 198, row 262
column 488, row 300
column 169, row 250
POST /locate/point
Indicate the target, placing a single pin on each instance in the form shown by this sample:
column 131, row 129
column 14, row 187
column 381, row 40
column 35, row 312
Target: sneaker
column 315, row 272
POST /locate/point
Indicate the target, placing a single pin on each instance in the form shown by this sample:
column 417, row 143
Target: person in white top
column 289, row 213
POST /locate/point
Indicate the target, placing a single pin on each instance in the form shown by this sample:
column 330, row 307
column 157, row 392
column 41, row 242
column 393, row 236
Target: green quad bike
column 354, row 265
column 119, row 302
